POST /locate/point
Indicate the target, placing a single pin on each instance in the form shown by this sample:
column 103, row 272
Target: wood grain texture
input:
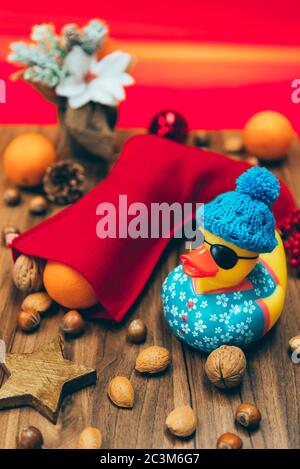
column 41, row 379
column 272, row 381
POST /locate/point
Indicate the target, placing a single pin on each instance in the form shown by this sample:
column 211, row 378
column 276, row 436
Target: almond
column 39, row 302
column 90, row 438
column 182, row 421
column 121, row 392
column 152, row 360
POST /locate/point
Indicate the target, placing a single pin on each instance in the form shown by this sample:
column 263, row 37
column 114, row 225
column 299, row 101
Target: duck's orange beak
column 199, row 263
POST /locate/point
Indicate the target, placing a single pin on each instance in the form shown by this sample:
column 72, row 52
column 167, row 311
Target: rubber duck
column 230, row 290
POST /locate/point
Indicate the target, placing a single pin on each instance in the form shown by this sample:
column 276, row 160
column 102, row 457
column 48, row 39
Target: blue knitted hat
column 244, row 216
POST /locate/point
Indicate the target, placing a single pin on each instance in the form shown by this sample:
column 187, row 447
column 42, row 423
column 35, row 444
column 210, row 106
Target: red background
column 233, row 92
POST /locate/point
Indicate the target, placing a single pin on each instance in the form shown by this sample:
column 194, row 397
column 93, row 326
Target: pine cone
column 64, row 182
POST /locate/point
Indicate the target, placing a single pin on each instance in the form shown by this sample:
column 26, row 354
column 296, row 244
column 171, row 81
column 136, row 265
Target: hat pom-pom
column 260, row 184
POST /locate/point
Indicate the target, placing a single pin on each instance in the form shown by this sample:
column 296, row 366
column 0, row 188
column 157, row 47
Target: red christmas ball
column 294, row 262
column 289, row 229
column 287, row 245
column 169, row 124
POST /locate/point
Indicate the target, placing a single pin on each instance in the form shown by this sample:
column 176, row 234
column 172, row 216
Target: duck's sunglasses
column 225, row 257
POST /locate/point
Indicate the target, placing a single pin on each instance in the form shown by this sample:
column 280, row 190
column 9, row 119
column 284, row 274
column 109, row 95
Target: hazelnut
column 30, row 438
column 28, row 274
column 7, row 231
column 38, row 205
column 229, row 441
column 90, row 438
column 137, row 331
column 226, row 366
column 12, row 196
column 294, row 343
column 248, row 415
column 28, row 321
column 73, row 323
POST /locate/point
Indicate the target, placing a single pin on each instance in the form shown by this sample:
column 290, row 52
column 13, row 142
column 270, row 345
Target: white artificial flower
column 88, row 80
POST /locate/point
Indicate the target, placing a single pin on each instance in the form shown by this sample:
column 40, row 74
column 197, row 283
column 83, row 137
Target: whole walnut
column 226, row 366
column 28, row 274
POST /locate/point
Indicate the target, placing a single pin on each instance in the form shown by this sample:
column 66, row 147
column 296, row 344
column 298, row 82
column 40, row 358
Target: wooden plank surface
column 272, row 381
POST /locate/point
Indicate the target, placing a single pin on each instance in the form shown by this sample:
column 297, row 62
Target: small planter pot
column 86, row 132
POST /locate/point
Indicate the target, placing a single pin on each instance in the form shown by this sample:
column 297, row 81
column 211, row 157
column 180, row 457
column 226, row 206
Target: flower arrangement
column 65, row 68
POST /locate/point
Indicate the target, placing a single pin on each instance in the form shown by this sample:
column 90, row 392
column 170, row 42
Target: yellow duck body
column 234, row 314
column 231, row 288
column 275, row 261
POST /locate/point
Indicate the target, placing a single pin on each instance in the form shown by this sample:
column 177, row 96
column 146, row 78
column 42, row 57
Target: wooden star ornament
column 41, row 379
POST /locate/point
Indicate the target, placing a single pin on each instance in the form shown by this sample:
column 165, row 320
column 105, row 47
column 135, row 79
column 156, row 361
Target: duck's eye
column 224, row 257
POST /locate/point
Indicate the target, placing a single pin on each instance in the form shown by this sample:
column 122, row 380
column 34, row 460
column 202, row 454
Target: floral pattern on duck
column 207, row 320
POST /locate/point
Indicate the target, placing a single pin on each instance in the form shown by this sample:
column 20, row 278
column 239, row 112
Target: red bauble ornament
column 294, row 262
column 169, row 124
column 290, row 232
